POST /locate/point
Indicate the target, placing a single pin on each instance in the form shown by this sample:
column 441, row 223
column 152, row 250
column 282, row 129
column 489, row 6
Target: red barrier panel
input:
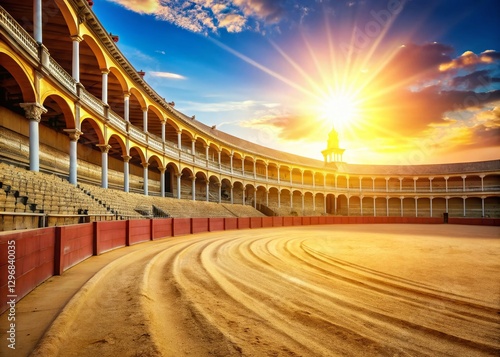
column 74, row 244
column 267, row 221
column 181, row 226
column 161, row 228
column 322, row 220
column 243, row 222
column 230, row 223
column 297, row 220
column 330, row 220
column 138, row 230
column 306, row 221
column 199, row 225
column 314, row 221
column 277, row 221
column 255, row 222
column 216, row 224
column 475, row 221
column 109, row 235
column 287, row 221
column 34, row 261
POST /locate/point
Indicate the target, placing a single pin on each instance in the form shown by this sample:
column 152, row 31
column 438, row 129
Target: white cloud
column 166, row 75
column 204, row 16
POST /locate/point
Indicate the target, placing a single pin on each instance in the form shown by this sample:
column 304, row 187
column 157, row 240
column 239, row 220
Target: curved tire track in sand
column 284, row 292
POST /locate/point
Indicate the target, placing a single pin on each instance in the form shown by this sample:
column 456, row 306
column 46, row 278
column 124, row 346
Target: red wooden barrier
column 34, row 261
column 109, row 235
column 230, row 223
column 243, row 222
column 267, row 221
column 181, row 226
column 287, row 221
column 256, row 222
column 138, row 230
column 277, row 221
column 74, row 244
column 199, row 225
column 161, row 228
column 216, row 224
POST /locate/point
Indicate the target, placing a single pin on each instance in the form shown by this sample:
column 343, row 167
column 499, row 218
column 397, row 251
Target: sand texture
column 343, row 290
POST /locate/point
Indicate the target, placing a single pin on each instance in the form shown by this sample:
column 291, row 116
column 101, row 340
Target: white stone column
column 335, row 204
column 279, row 198
column 254, row 169
column 163, row 123
column 302, row 177
column 208, row 190
column 446, row 184
column 74, row 135
column 162, row 180
column 303, row 198
column 219, row 153
column 126, row 106
column 206, row 152
column 219, row 185
column 430, row 202
column 375, row 206
column 243, row 195
column 267, row 172
column 255, row 198
column 145, row 120
column 104, row 164
column 193, row 187
column 416, row 206
column 243, row 166
column 179, row 140
column 482, row 206
column 464, row 198
column 231, row 161
column 178, row 185
column 126, row 173
column 145, row 177
column 401, row 199
column 430, row 183
column 400, row 184
column 291, row 199
column 348, row 204
column 446, row 203
column 463, row 182
column 387, row 184
column 387, row 206
column 76, row 58
column 324, row 203
column 33, row 112
column 37, row 20
column 415, row 184
column 314, row 202
column 232, row 191
column 104, row 93
column 267, row 198
column 373, row 184
column 361, row 204
column 482, row 182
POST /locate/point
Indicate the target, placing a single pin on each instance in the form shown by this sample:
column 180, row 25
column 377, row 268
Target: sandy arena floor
column 343, row 290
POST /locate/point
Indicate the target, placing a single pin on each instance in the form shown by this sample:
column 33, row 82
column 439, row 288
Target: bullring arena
column 132, row 229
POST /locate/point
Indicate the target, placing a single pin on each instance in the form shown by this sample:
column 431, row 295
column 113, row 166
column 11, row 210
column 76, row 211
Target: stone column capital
column 33, row 111
column 126, row 158
column 104, row 148
column 145, row 164
column 74, row 134
column 77, row 38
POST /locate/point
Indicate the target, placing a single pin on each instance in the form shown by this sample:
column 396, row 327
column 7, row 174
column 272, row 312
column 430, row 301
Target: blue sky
column 403, row 82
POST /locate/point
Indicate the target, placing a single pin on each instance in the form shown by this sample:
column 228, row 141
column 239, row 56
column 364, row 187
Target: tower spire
column 333, row 153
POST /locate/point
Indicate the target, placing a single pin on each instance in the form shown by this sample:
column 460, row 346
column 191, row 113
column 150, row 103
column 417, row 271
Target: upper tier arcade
column 71, row 103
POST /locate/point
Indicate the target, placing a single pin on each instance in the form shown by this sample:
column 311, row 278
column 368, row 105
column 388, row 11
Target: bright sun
column 341, row 110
